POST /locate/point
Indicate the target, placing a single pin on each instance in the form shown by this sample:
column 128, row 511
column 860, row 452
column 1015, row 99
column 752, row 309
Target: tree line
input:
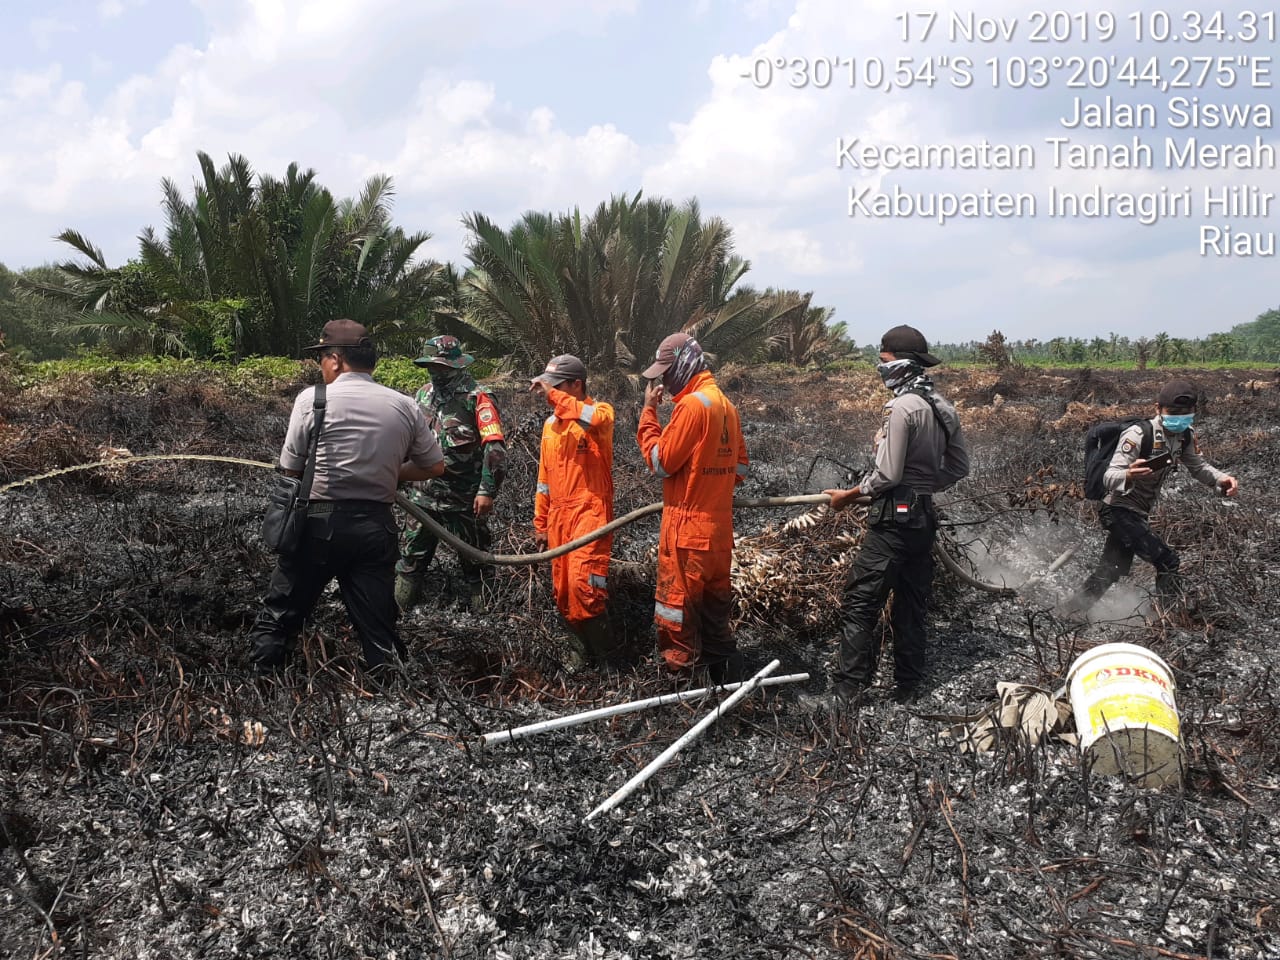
column 1257, row 341
column 250, row 264
column 254, row 265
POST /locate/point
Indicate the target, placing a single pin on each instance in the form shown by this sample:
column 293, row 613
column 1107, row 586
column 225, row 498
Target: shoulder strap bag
column 285, row 520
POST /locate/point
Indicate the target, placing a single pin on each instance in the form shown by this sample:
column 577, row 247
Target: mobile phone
column 1159, row 461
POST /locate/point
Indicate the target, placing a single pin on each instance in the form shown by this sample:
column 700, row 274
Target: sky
column 505, row 106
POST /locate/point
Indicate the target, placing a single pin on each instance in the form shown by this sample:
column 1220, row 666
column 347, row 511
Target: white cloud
column 463, row 150
column 286, row 80
column 420, row 91
column 763, row 155
column 45, row 31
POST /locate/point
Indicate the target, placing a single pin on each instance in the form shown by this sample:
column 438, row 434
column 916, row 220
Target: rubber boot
column 1169, row 587
column 597, row 639
column 730, row 669
column 573, row 653
column 408, row 591
column 1169, row 593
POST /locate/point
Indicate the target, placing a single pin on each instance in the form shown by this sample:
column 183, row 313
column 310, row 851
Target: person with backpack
column 1142, row 455
column 919, row 450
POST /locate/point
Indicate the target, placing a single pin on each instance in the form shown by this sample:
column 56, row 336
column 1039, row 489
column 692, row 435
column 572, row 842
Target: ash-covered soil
column 159, row 802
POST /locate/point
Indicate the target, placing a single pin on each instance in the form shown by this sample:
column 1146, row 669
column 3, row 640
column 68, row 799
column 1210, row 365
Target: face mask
column 445, row 378
column 689, row 362
column 897, row 372
column 1178, row 423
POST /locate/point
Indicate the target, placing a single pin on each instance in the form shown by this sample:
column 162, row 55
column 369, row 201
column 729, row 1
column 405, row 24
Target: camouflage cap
column 445, row 351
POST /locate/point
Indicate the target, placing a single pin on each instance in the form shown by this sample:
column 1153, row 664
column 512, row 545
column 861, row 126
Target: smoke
column 1124, row 601
column 1019, row 557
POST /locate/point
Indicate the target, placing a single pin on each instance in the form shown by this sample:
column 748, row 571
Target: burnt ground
column 158, row 802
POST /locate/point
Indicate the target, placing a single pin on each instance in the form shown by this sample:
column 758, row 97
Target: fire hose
column 521, row 559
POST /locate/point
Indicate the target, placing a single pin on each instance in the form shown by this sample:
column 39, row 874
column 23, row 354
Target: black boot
column 597, row 639
column 1169, row 587
column 730, row 669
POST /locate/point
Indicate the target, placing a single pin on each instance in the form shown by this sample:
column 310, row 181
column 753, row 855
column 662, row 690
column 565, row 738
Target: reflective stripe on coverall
column 701, row 458
column 575, row 497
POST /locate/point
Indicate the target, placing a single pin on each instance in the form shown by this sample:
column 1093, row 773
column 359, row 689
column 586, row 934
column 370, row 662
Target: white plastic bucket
column 1126, row 715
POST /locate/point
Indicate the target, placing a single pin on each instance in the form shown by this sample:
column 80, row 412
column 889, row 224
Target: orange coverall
column 701, row 458
column 575, row 496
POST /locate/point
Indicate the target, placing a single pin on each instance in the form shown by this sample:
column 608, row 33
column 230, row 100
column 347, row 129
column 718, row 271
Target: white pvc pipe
column 572, row 720
column 1054, row 567
column 1067, row 554
column 696, row 731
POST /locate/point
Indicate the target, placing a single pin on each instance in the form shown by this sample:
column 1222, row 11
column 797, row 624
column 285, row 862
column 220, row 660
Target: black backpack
column 1100, row 446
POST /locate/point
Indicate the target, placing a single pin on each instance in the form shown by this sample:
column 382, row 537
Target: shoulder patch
column 1128, row 447
column 487, row 418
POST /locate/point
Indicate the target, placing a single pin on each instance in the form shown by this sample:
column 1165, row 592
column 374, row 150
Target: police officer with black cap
column 1133, row 482
column 370, row 439
column 919, row 451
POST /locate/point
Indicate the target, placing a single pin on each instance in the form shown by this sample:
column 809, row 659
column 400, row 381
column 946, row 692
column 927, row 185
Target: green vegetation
column 609, row 287
column 1247, row 345
column 251, row 265
column 256, row 374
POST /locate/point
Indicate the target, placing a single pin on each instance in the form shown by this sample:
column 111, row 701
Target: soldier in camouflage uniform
column 467, row 423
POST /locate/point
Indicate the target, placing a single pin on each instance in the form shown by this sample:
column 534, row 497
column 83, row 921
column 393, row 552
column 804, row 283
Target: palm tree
column 611, row 287
column 1160, row 348
column 117, row 307
column 1142, row 352
column 254, row 264
column 1219, row 346
column 809, row 337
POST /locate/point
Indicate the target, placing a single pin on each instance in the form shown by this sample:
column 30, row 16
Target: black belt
column 902, row 491
column 321, row 508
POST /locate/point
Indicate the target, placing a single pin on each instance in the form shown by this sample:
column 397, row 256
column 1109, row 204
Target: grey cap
column 561, row 369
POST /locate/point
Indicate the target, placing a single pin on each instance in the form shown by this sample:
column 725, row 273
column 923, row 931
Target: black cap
column 1177, row 393
column 903, row 340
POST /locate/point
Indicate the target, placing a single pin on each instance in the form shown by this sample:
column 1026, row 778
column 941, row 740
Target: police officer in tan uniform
column 1133, row 483
column 371, row 439
column 919, row 451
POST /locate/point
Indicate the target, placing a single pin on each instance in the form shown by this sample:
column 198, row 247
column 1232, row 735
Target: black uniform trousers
column 357, row 542
column 1129, row 535
column 894, row 557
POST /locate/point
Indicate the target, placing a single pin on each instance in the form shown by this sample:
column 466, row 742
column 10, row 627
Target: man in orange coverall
column 701, row 458
column 575, row 497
